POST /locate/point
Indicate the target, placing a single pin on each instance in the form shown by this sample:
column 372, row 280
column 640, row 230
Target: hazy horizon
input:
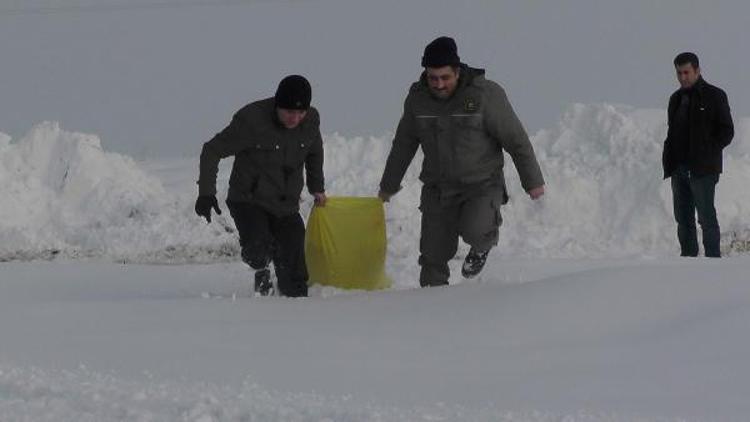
column 159, row 78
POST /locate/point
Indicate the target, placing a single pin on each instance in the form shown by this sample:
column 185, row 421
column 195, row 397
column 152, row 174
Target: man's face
column 687, row 74
column 442, row 80
column 290, row 118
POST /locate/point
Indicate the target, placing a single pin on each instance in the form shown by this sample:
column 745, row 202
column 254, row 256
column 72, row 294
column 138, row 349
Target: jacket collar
column 697, row 86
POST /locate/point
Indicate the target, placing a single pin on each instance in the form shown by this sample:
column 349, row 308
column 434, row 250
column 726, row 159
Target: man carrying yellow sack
column 272, row 141
column 462, row 122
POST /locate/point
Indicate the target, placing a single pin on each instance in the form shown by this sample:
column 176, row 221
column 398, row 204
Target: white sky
column 160, row 77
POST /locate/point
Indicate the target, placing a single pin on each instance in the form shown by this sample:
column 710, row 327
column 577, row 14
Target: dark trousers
column 474, row 216
column 691, row 193
column 265, row 237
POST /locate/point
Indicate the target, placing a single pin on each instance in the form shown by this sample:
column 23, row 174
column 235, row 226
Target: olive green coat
column 462, row 137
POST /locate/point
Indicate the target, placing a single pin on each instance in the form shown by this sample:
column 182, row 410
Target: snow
column 535, row 340
column 602, row 163
column 583, row 313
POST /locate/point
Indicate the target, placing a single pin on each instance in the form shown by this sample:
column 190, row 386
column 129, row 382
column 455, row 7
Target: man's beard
column 441, row 94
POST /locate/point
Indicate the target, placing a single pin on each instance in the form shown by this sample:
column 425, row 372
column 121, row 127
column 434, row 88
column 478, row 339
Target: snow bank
column 606, row 196
column 606, row 193
column 64, row 195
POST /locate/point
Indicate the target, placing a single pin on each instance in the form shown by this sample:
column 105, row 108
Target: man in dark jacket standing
column 700, row 126
column 462, row 122
column 272, row 140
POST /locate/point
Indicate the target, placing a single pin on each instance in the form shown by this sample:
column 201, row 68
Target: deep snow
column 535, row 340
column 583, row 313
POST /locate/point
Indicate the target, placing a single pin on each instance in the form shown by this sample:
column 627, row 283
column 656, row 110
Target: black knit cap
column 293, row 93
column 442, row 51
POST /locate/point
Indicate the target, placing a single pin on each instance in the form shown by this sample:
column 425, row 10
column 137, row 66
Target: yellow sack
column 345, row 244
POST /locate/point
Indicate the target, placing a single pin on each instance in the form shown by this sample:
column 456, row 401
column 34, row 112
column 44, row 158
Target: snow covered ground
column 535, row 340
column 118, row 303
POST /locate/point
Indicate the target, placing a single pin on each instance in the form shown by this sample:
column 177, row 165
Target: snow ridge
column 65, row 196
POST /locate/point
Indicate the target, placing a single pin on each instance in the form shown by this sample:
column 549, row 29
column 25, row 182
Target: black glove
column 203, row 206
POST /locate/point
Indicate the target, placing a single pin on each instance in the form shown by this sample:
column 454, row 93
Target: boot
column 474, row 263
column 263, row 285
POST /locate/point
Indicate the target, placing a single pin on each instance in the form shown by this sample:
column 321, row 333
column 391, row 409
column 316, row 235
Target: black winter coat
column 710, row 129
column 271, row 163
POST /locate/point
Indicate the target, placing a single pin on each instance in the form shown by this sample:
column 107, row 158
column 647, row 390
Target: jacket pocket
column 299, row 152
column 267, row 149
column 467, row 130
column 266, row 161
column 468, row 121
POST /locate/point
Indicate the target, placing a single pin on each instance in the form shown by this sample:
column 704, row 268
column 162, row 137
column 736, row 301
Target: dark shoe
column 296, row 292
column 474, row 263
column 424, row 283
column 263, row 285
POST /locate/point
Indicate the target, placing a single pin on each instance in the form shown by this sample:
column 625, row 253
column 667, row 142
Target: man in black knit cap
column 700, row 127
column 273, row 142
column 463, row 123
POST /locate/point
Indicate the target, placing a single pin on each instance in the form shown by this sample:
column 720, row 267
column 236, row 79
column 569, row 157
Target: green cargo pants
column 474, row 215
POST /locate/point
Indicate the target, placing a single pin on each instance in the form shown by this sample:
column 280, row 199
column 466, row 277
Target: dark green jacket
column 269, row 158
column 462, row 137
